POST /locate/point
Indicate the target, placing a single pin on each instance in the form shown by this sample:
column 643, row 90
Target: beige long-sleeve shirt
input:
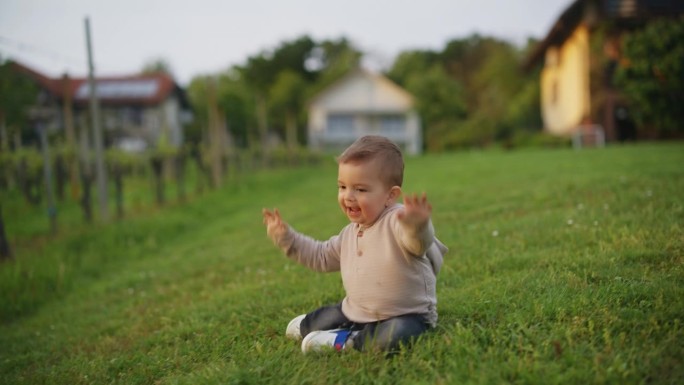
column 388, row 269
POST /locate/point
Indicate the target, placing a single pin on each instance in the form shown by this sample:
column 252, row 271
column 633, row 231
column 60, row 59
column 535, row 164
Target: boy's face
column 361, row 192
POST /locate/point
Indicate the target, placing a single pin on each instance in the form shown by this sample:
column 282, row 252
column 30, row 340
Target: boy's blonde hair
column 372, row 147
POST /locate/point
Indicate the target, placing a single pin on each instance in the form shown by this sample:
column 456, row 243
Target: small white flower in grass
column 605, row 206
column 595, row 223
column 570, row 222
column 580, row 206
column 495, row 233
column 649, row 193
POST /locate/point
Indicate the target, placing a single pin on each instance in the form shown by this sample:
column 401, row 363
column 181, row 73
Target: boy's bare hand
column 416, row 211
column 275, row 226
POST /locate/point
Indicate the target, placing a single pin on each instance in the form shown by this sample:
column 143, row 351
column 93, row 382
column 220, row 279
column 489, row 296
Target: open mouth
column 353, row 211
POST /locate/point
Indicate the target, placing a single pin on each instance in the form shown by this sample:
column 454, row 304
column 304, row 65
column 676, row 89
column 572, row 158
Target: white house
column 363, row 103
column 137, row 111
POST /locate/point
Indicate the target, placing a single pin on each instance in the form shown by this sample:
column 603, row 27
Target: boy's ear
column 395, row 192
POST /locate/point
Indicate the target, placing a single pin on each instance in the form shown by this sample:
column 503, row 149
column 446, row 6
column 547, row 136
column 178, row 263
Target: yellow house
column 578, row 57
column 565, row 95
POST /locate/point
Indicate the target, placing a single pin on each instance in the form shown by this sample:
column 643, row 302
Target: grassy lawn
column 565, row 267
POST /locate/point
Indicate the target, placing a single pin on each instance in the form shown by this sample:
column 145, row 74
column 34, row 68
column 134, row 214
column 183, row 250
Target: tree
column 287, row 98
column 409, row 63
column 291, row 56
column 440, row 101
column 5, row 251
column 471, row 93
column 462, row 58
column 500, row 82
column 236, row 102
column 523, row 111
column 259, row 73
column 651, row 75
column 17, row 94
column 466, row 59
column 197, row 95
column 439, row 97
column 306, row 62
column 157, row 65
column 272, row 86
column 332, row 59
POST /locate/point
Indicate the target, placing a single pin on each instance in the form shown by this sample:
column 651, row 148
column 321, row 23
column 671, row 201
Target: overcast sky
column 206, row 36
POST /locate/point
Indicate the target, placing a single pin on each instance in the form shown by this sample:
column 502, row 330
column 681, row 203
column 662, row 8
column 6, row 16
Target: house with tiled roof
column 136, row 111
column 578, row 57
column 362, row 103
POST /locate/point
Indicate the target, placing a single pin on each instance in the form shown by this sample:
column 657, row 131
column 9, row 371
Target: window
column 340, row 124
column 134, row 88
column 151, row 120
column 554, row 92
column 392, row 125
column 131, row 116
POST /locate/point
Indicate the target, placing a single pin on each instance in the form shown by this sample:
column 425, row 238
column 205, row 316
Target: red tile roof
column 145, row 89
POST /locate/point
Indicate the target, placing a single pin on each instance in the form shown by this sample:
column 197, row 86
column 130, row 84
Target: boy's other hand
column 416, row 211
column 275, row 226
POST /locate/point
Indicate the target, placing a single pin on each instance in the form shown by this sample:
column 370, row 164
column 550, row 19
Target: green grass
column 564, row 268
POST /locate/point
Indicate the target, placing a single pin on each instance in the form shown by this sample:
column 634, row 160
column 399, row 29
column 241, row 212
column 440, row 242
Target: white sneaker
column 292, row 330
column 325, row 339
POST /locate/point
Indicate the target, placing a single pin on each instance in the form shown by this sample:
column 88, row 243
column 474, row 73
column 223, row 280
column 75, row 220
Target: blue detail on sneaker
column 341, row 338
column 319, row 340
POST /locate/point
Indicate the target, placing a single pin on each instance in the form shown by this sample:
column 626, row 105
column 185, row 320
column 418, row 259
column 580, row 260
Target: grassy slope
column 565, row 267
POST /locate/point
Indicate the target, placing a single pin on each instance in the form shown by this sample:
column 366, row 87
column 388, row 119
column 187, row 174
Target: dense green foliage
column 652, row 74
column 565, row 267
column 472, row 93
column 17, row 95
column 269, row 92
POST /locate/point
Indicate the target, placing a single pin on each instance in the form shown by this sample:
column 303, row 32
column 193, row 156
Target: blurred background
column 184, row 94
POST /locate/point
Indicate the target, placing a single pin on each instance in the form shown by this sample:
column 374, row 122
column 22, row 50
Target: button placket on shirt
column 359, row 234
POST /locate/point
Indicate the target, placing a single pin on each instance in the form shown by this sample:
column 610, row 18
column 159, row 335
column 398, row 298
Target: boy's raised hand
column 416, row 211
column 275, row 226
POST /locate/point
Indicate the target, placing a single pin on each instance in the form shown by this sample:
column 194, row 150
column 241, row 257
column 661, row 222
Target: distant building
column 363, row 103
column 578, row 58
column 137, row 111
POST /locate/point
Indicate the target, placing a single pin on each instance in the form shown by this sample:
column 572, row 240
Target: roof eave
column 560, row 30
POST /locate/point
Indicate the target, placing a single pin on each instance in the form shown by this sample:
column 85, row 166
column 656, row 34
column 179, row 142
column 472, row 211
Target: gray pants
column 384, row 335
